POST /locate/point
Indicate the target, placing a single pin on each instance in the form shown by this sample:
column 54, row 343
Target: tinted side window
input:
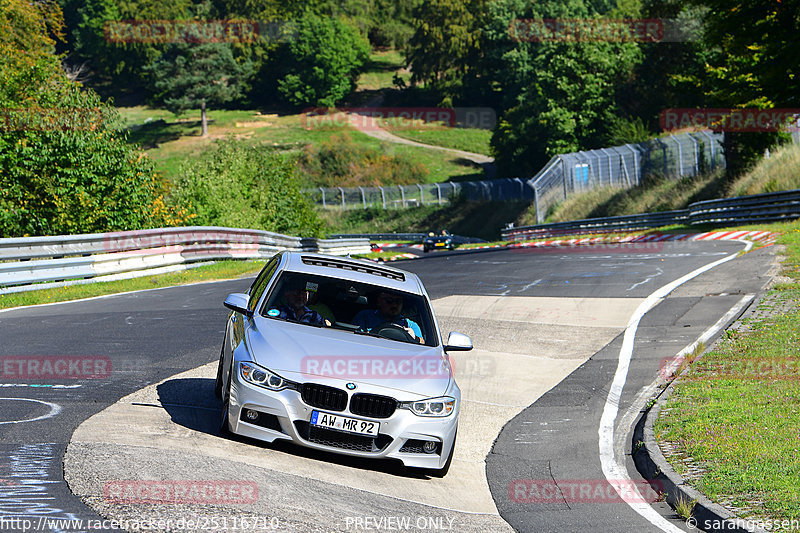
column 261, row 283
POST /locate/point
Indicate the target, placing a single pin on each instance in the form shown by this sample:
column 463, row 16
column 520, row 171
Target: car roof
column 353, row 269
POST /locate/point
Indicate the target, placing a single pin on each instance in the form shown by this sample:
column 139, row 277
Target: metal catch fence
column 675, row 156
column 420, row 194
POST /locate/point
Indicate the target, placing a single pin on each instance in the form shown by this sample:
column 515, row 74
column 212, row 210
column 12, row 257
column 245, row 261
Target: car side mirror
column 458, row 342
column 238, row 302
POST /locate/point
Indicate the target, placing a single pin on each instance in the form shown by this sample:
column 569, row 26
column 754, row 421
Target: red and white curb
column 766, row 238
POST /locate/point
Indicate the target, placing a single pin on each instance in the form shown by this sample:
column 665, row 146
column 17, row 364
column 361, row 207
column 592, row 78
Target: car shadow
column 190, row 402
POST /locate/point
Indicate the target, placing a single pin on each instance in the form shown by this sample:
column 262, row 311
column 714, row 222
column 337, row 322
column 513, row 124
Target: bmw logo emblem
column 351, row 386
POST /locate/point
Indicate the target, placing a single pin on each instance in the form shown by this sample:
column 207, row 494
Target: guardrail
column 769, row 207
column 33, row 263
column 415, row 237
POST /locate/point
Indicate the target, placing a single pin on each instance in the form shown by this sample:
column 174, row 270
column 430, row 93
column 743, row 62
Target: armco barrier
column 769, row 207
column 414, row 237
column 40, row 262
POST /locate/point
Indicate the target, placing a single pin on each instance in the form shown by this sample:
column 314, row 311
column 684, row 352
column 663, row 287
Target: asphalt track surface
column 150, row 336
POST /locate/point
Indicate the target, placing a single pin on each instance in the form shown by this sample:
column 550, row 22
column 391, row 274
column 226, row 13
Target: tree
column 445, row 40
column 120, row 63
column 191, row 76
column 558, row 96
column 322, row 62
column 755, row 68
column 64, row 164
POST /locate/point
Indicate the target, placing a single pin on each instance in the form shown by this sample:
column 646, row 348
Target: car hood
column 335, row 357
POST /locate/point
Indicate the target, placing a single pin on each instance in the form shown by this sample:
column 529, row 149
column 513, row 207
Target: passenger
column 390, row 307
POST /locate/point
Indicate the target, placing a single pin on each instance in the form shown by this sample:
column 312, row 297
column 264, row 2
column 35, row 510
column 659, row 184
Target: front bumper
column 283, row 415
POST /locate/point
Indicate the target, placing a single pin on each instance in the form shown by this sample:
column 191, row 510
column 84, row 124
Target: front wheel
column 218, row 382
column 441, row 472
column 446, row 468
column 225, row 396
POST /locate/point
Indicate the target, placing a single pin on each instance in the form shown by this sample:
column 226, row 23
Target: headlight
column 442, row 406
column 262, row 377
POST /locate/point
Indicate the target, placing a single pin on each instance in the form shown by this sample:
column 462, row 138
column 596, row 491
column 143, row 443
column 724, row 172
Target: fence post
column 563, row 177
column 711, row 142
column 539, row 217
column 455, row 190
column 383, row 196
column 402, row 195
column 521, row 188
column 680, row 155
column 439, row 193
column 324, row 206
column 421, row 197
column 635, row 165
column 363, row 196
column 664, row 151
column 696, row 155
column 342, row 191
column 610, row 172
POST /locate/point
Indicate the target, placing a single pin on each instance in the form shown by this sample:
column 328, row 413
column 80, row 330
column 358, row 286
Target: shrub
column 243, row 186
column 342, row 162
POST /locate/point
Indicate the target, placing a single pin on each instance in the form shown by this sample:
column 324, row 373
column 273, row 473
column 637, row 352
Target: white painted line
column 40, row 386
column 54, row 410
column 707, row 334
column 612, row 468
column 649, row 391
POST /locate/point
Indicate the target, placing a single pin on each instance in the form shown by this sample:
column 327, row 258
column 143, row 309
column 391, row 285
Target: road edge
column 706, row 515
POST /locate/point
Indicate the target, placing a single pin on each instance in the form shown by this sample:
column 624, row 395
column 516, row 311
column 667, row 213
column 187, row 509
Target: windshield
column 361, row 308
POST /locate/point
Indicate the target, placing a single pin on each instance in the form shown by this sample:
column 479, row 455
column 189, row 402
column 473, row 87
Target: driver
column 390, row 305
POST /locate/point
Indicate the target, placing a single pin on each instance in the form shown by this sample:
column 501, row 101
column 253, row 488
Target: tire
column 441, row 472
column 224, row 422
column 218, row 382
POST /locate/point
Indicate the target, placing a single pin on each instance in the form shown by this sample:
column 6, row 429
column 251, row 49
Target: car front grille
column 339, row 439
column 372, row 405
column 324, row 397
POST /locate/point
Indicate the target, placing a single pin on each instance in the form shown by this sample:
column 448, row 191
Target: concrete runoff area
column 167, row 431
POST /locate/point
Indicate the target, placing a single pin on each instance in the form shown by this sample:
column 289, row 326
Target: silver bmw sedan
column 342, row 355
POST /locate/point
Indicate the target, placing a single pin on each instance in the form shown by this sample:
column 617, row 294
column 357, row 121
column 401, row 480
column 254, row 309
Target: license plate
column 344, row 423
column 439, row 244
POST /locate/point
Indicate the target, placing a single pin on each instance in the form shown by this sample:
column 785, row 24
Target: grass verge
column 170, row 141
column 736, row 412
column 473, row 140
column 217, row 271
